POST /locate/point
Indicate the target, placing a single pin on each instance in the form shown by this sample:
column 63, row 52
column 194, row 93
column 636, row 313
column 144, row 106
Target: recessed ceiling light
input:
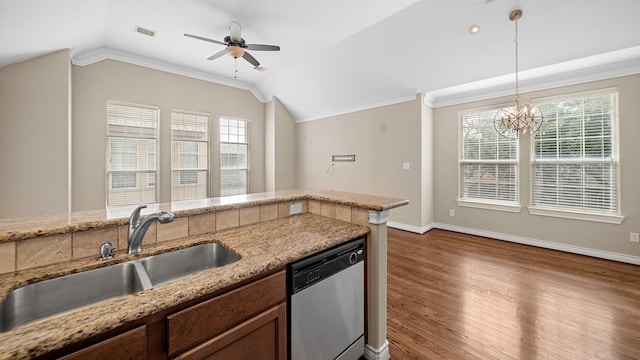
column 474, row 29
column 144, row 31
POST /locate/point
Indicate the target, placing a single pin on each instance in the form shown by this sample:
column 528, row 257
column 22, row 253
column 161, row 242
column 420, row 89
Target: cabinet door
column 192, row 326
column 128, row 345
column 262, row 337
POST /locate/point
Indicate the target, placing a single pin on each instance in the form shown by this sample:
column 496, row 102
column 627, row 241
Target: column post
column 377, row 346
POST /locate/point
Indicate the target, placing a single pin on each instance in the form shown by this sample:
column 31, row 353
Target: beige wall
column 382, row 140
column 286, row 149
column 583, row 234
column 34, row 136
column 93, row 85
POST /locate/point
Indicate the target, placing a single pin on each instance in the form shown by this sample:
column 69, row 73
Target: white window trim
column 157, row 157
column 575, row 215
column 208, row 143
column 248, row 143
column 570, row 213
column 487, row 204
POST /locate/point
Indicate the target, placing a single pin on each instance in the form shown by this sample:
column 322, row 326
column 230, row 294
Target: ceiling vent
column 144, row 31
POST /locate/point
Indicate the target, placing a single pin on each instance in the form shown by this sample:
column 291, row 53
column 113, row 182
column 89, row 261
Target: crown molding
column 392, row 99
column 593, row 68
column 94, row 56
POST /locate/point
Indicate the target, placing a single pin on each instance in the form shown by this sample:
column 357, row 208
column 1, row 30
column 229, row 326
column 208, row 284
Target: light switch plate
column 406, row 166
column 634, row 237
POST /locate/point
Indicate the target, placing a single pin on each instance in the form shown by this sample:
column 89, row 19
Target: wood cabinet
column 262, row 337
column 246, row 323
column 128, row 345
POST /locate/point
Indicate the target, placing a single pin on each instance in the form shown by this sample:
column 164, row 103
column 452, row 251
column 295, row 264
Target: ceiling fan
column 235, row 46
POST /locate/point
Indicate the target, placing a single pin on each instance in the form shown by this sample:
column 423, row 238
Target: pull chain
column 235, row 74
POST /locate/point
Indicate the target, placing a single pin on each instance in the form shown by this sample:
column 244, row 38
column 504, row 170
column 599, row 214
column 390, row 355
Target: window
column 124, row 155
column 190, row 155
column 234, row 162
column 488, row 163
column 575, row 154
column 132, row 135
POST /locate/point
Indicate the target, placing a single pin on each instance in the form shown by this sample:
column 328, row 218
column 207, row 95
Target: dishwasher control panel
column 315, row 268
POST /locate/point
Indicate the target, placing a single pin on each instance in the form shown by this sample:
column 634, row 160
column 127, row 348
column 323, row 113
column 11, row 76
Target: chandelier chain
column 517, row 82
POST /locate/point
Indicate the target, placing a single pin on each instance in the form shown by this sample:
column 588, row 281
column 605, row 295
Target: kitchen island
column 264, row 247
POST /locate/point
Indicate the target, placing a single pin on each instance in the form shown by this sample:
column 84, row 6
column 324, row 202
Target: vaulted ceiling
column 341, row 55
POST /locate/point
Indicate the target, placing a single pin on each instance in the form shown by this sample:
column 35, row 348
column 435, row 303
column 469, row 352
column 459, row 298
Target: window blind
column 575, row 154
column 190, row 155
column 234, row 157
column 132, row 135
column 488, row 162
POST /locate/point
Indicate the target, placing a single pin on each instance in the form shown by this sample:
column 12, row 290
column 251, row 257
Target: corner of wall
column 286, row 145
column 269, row 145
column 426, row 122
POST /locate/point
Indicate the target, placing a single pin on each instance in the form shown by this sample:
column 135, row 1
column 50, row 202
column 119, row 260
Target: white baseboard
column 411, row 228
column 377, row 354
column 521, row 240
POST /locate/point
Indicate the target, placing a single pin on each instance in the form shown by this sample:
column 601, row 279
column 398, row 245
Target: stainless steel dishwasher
column 326, row 304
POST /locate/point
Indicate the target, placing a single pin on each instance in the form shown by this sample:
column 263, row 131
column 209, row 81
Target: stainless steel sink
column 168, row 267
column 42, row 299
column 50, row 297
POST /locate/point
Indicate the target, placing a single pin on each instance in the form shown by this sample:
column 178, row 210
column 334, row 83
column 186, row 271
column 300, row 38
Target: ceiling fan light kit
column 235, row 51
column 522, row 119
column 236, row 45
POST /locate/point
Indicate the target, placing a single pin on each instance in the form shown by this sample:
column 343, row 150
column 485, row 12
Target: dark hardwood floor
column 457, row 296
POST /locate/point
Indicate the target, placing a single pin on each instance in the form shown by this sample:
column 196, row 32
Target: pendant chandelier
column 522, row 119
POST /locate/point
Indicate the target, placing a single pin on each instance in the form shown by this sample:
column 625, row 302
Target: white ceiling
column 341, row 55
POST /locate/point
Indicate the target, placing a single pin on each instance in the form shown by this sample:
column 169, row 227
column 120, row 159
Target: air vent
column 144, row 31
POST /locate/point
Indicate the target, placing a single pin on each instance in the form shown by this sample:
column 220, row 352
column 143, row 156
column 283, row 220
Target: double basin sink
column 42, row 299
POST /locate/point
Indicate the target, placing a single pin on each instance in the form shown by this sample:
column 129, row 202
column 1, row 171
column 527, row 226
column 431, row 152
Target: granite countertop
column 264, row 248
column 25, row 228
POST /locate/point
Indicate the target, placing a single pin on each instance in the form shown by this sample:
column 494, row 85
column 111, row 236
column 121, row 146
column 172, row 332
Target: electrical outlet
column 295, row 208
column 452, row 212
column 634, row 237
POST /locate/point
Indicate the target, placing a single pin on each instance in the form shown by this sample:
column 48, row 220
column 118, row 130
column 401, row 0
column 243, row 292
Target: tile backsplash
column 28, row 253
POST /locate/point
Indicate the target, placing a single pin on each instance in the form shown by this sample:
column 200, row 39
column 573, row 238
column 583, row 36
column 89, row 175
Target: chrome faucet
column 138, row 228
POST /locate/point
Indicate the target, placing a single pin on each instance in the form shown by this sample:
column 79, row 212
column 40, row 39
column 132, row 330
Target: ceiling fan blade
column 217, row 55
column 204, row 39
column 260, row 47
column 235, row 32
column 250, row 59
